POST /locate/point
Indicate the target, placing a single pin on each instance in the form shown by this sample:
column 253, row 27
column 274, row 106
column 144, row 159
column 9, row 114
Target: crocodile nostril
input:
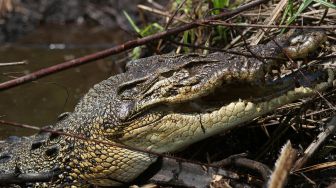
column 52, row 151
column 55, row 135
column 4, row 157
column 36, row 145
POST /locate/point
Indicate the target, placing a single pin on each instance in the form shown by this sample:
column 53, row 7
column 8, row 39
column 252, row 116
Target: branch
column 24, row 62
column 172, row 173
column 120, row 48
column 227, row 24
column 113, row 144
column 315, row 145
column 13, row 178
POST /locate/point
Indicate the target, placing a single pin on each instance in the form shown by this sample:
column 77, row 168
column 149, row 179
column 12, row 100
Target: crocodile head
column 164, row 103
column 186, row 98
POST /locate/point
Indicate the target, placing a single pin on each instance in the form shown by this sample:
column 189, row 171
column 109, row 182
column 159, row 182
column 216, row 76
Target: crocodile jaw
column 182, row 130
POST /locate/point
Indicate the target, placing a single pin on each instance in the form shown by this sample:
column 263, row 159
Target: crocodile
column 160, row 104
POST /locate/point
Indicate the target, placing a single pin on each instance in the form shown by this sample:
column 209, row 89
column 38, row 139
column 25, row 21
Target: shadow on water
column 40, row 102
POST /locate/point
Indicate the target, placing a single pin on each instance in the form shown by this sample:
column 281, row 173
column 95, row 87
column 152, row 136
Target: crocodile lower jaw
column 184, row 129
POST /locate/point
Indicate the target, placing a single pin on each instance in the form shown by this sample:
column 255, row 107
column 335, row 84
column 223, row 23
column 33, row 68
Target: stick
column 24, row 62
column 329, row 130
column 120, row 48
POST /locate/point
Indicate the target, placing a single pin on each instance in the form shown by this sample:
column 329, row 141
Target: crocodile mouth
column 254, row 92
column 225, row 107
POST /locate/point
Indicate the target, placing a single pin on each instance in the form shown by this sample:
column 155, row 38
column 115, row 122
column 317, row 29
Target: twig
column 270, row 20
column 7, row 179
column 223, row 23
column 170, row 21
column 236, row 39
column 197, row 167
column 24, row 62
column 176, row 174
column 82, row 137
column 329, row 130
column 310, row 181
column 319, row 166
column 247, row 54
column 303, row 75
column 280, row 131
column 226, row 51
column 254, row 165
column 125, row 46
column 171, row 18
column 161, row 13
column 323, row 16
column 240, row 161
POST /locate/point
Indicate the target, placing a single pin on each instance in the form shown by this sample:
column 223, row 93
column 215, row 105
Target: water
column 40, row 102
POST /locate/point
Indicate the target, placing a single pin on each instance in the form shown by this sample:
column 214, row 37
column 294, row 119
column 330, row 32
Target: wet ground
column 40, row 102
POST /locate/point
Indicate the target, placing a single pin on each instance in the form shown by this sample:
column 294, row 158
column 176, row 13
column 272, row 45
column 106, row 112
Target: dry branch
column 120, row 48
column 24, row 62
column 321, row 138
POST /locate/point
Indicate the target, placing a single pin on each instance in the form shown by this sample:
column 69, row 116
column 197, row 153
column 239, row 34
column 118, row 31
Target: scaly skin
column 162, row 104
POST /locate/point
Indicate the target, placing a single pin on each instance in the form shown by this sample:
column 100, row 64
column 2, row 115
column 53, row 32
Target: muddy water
column 40, row 102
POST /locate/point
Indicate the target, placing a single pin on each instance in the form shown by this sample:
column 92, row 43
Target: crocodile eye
column 167, row 74
column 63, row 115
column 54, row 135
column 129, row 89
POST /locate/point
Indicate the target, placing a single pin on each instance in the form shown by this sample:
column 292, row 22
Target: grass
column 218, row 35
column 145, row 31
column 303, row 6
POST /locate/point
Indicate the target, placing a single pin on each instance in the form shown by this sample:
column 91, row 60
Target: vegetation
column 239, row 31
column 261, row 141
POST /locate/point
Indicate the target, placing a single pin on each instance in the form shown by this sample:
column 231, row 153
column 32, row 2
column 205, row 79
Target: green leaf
column 288, row 11
column 302, row 7
column 327, row 4
column 151, row 29
column 185, row 40
column 219, row 4
column 136, row 52
column 130, row 20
